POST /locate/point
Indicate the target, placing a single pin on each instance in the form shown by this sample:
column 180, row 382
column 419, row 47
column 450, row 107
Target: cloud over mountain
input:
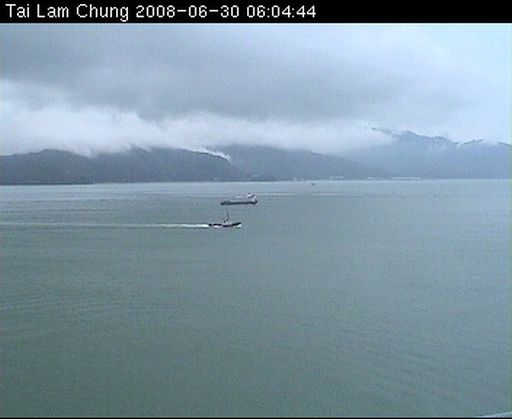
column 90, row 88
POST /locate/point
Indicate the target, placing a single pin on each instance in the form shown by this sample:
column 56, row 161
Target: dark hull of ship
column 238, row 202
column 228, row 225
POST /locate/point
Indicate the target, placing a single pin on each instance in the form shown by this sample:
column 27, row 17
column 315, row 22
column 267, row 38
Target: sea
column 334, row 298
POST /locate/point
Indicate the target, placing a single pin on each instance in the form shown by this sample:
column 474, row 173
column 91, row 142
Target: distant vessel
column 226, row 223
column 241, row 200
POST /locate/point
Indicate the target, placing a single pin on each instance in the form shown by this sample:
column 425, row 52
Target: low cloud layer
column 91, row 88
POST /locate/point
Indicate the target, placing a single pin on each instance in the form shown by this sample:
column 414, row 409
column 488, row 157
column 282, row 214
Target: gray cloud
column 330, row 82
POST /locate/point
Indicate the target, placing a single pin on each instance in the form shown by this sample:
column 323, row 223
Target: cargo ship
column 241, row 200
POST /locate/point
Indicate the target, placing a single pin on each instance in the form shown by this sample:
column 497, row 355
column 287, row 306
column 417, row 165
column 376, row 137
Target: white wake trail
column 99, row 225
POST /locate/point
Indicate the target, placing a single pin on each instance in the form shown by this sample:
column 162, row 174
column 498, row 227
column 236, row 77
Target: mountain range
column 410, row 154
column 407, row 155
column 268, row 163
column 135, row 165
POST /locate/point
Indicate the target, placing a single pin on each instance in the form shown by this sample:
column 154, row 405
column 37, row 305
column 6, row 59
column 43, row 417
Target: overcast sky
column 89, row 88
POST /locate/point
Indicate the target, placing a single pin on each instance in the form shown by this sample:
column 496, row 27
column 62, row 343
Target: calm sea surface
column 334, row 298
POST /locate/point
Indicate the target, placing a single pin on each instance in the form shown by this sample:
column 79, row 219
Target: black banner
column 232, row 11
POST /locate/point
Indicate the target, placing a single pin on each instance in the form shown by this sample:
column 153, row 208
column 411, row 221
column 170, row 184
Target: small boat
column 241, row 200
column 226, row 223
